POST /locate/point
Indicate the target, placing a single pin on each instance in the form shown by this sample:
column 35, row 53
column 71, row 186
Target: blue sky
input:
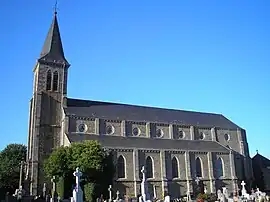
column 211, row 56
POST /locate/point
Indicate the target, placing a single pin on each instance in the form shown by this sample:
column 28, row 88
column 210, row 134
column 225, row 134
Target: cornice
column 175, row 152
column 83, row 118
column 198, row 152
column 149, row 150
column 119, row 149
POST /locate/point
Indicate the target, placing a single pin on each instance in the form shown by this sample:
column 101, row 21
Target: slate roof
column 107, row 110
column 263, row 161
column 52, row 50
column 147, row 143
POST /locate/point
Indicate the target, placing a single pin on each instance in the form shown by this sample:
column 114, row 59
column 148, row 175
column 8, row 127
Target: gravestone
column 225, row 193
column 144, row 187
column 167, row 198
column 54, row 191
column 77, row 191
column 110, row 193
column 44, row 190
column 205, row 190
column 19, row 193
column 243, row 190
column 219, row 194
column 117, row 195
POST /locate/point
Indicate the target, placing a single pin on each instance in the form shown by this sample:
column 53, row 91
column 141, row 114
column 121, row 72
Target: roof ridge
column 145, row 106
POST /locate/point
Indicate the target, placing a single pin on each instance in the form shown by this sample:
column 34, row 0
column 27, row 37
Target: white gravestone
column 110, row 193
column 118, row 199
column 167, row 198
column 144, row 187
column 19, row 193
column 205, row 190
column 225, row 192
column 77, row 191
column 219, row 194
column 244, row 191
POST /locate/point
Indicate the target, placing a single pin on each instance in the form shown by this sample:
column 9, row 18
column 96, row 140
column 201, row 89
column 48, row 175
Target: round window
column 82, row 128
column 202, row 135
column 159, row 132
column 109, row 129
column 227, row 137
column 136, row 131
column 181, row 134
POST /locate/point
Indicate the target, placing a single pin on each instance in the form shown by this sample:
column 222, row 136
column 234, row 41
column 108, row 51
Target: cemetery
column 144, row 196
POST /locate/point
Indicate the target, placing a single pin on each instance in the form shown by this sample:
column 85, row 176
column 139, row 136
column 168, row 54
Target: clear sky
column 211, row 56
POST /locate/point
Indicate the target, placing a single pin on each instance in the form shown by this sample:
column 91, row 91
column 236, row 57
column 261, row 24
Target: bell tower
column 46, row 106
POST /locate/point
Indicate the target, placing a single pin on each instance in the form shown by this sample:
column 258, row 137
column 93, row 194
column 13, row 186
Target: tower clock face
column 82, row 128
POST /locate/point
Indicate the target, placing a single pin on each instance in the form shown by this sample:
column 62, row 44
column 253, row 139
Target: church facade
column 180, row 149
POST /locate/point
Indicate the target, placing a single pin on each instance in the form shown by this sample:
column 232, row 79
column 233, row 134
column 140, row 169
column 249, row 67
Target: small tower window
column 49, row 80
column 55, row 81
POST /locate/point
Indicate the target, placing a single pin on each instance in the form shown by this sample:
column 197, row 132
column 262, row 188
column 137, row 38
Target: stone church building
column 180, row 149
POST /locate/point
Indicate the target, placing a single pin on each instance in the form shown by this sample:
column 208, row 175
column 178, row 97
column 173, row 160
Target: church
column 180, row 149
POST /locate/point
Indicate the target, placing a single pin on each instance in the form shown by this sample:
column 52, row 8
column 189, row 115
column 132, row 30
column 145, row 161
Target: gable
column 261, row 160
column 117, row 111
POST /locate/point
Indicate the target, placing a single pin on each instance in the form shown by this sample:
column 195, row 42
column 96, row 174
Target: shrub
column 89, row 191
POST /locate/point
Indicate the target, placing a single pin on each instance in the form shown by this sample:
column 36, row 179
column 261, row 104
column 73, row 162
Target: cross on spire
column 55, row 7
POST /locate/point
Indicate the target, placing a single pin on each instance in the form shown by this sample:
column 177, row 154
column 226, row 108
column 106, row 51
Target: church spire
column 52, row 50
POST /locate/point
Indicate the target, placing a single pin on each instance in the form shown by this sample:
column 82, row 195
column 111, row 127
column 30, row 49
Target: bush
column 89, row 191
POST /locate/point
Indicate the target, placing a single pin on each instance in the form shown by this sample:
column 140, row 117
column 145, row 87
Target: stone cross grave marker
column 110, row 192
column 143, row 171
column 243, row 184
column 78, row 175
column 117, row 195
column 44, row 190
column 53, row 180
column 77, row 191
column 197, row 180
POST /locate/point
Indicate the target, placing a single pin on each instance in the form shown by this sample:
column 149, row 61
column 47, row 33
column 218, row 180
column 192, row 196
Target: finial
column 257, row 151
column 55, row 7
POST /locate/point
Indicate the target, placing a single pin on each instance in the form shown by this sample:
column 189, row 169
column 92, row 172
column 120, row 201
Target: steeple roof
column 52, row 50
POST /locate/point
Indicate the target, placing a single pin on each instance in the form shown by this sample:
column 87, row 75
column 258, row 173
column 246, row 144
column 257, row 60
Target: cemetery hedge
column 10, row 161
column 94, row 162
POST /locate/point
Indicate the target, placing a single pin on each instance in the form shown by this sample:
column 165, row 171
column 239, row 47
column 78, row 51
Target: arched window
column 121, row 167
column 219, row 167
column 49, row 80
column 174, row 168
column 149, row 167
column 55, row 81
column 198, row 167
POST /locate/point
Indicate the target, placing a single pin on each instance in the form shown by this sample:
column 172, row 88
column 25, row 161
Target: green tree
column 10, row 161
column 95, row 164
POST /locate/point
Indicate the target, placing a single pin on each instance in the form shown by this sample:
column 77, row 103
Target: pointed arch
column 219, row 168
column 149, row 167
column 175, row 167
column 121, row 167
column 198, row 167
column 55, row 81
column 49, row 80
